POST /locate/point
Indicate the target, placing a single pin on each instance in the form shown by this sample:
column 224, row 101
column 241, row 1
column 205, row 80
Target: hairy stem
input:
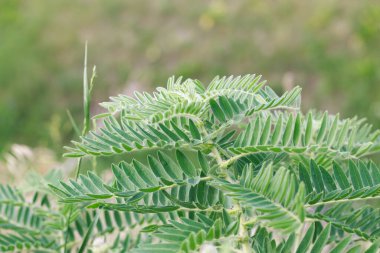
column 243, row 234
column 174, row 185
column 340, row 201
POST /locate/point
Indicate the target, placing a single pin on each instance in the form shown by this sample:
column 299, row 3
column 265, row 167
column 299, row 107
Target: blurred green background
column 330, row 48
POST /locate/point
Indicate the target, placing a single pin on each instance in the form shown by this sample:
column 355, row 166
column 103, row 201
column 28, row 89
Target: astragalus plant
column 231, row 167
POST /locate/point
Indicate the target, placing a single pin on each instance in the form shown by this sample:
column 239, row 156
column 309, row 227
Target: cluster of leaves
column 232, row 165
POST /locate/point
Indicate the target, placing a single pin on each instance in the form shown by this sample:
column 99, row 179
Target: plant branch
column 340, row 201
column 243, row 233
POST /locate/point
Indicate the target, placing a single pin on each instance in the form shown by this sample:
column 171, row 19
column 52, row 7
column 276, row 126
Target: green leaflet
column 321, row 240
column 186, row 165
column 217, row 110
column 306, row 240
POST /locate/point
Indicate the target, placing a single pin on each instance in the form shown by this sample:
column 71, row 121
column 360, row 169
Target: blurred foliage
column 330, row 48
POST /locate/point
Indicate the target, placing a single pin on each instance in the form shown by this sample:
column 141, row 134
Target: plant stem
column 217, row 156
column 243, row 233
column 340, row 201
column 86, row 97
column 86, row 127
column 226, row 163
column 174, row 185
column 229, row 211
column 299, row 235
column 250, row 222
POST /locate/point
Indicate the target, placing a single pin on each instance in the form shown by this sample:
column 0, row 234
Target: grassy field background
column 330, row 48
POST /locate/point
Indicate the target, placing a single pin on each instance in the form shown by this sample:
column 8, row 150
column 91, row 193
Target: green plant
column 232, row 166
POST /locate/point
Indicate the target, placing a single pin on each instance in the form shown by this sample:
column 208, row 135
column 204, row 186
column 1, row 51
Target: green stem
column 174, row 185
column 243, row 233
column 299, row 234
column 86, row 127
column 250, row 222
column 217, row 156
column 86, row 97
column 229, row 211
column 341, row 201
column 228, row 162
